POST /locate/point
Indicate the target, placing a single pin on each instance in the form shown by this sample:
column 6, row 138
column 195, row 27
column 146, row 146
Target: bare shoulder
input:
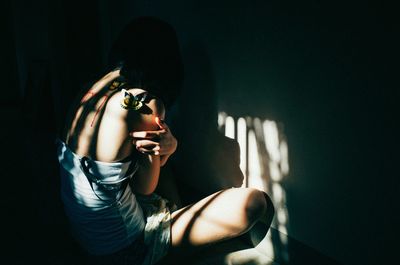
column 117, row 121
column 137, row 108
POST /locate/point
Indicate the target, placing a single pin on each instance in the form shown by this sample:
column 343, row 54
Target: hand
column 160, row 142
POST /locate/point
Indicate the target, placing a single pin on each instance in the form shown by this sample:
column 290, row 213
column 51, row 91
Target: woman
column 108, row 183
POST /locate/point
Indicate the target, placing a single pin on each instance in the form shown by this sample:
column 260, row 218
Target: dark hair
column 147, row 53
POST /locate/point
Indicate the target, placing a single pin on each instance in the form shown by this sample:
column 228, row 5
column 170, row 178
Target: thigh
column 220, row 216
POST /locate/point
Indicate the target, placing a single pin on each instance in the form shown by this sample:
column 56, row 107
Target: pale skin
column 159, row 142
column 114, row 133
column 100, row 129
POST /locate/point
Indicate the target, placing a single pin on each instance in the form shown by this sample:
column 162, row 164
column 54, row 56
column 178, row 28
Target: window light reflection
column 264, row 163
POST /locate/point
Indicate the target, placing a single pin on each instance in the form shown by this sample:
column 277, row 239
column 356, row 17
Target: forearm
column 146, row 179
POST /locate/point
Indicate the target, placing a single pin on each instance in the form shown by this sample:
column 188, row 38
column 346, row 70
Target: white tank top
column 102, row 220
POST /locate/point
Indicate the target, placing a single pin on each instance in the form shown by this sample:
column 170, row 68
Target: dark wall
column 320, row 70
column 8, row 64
column 325, row 71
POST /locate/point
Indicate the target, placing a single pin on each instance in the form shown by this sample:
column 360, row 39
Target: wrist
column 163, row 159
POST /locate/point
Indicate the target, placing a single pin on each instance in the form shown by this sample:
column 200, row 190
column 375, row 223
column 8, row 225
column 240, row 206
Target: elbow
column 145, row 193
column 144, row 190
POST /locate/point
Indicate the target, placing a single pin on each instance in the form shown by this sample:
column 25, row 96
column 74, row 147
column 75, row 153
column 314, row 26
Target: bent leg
column 220, row 216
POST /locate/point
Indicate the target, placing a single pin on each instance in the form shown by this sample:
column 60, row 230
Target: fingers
column 151, row 134
column 146, row 143
column 146, row 134
column 154, row 148
column 148, row 147
column 154, row 151
column 161, row 123
column 160, row 142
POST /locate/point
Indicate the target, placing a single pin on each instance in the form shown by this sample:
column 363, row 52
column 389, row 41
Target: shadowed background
column 325, row 72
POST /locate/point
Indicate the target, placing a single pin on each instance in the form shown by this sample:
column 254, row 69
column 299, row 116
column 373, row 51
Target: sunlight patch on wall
column 254, row 176
column 264, row 163
column 242, row 140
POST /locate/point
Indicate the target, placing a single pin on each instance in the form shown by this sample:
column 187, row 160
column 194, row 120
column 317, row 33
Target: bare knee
column 258, row 205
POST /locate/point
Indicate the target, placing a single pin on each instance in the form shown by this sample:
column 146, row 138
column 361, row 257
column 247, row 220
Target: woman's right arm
column 146, row 178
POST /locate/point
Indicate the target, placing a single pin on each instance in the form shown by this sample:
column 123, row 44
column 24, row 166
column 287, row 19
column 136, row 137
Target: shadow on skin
column 85, row 107
column 86, row 104
column 178, row 253
column 248, row 238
